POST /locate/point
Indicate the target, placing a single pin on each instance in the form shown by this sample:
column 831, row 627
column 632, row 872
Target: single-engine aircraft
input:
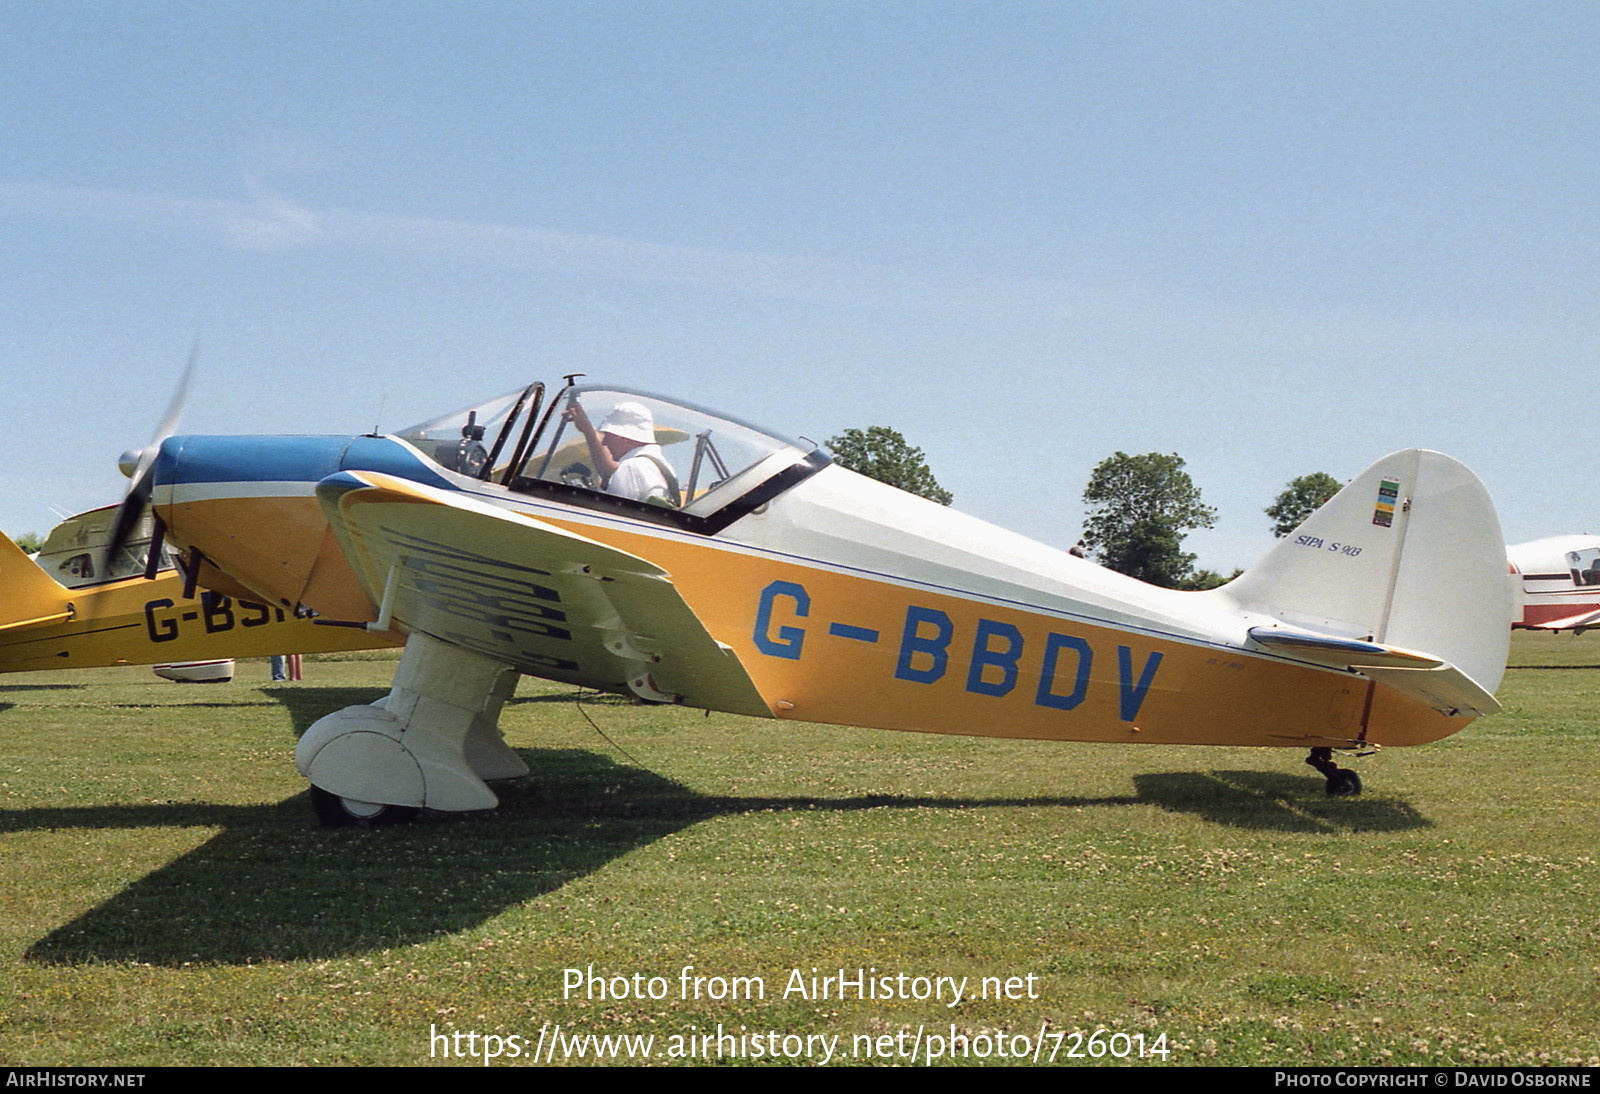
column 758, row 577
column 1560, row 579
column 76, row 605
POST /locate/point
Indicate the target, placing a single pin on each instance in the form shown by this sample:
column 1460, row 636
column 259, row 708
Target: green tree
column 1304, row 496
column 30, row 542
column 1140, row 508
column 1207, row 579
column 881, row 453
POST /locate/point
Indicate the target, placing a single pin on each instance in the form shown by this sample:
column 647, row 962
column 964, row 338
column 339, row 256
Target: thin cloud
column 269, row 221
column 1112, row 313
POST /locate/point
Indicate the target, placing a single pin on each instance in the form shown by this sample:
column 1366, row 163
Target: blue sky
column 1271, row 237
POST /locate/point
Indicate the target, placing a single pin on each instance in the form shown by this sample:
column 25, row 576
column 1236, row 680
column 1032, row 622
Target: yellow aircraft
column 79, row 606
column 639, row 544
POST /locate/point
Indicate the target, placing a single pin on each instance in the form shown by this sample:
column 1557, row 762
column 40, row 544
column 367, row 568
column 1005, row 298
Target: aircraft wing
column 1419, row 676
column 1583, row 619
column 551, row 602
column 28, row 596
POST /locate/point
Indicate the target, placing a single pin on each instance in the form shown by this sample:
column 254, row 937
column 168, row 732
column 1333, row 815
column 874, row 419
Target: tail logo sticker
column 1388, row 497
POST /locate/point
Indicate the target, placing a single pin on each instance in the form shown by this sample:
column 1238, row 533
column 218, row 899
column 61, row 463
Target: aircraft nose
column 248, row 505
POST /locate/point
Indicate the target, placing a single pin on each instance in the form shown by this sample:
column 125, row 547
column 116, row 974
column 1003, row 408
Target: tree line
column 1138, row 508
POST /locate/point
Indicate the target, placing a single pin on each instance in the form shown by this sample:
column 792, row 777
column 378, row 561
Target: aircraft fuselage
column 844, row 600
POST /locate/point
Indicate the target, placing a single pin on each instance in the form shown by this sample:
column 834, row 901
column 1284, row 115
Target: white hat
column 631, row 421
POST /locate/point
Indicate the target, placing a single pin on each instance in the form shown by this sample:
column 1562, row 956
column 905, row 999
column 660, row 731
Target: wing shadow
column 272, row 886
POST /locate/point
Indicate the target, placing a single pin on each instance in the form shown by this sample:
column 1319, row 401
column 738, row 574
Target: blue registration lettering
column 785, row 641
column 912, row 642
column 1133, row 694
column 1053, row 645
column 983, row 657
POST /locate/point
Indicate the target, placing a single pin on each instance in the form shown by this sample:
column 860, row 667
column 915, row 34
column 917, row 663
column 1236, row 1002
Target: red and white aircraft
column 1560, row 579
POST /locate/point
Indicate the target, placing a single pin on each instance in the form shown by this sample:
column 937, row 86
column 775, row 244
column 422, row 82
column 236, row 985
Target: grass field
column 168, row 900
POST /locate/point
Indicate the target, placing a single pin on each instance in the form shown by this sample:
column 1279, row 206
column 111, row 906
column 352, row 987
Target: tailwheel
column 333, row 811
column 1342, row 782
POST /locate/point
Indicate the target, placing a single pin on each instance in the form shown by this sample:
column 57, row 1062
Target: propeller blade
column 152, row 559
column 132, row 510
column 140, row 466
column 180, row 398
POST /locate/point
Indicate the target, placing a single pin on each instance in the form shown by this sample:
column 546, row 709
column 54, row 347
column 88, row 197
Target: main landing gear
column 1342, row 782
column 429, row 744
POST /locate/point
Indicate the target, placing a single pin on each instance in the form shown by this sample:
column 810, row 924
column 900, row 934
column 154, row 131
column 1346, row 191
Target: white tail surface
column 1409, row 556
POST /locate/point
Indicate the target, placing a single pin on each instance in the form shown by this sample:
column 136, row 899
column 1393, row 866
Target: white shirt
column 639, row 477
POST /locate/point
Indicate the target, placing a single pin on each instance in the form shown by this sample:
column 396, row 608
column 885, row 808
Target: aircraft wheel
column 1343, row 783
column 333, row 811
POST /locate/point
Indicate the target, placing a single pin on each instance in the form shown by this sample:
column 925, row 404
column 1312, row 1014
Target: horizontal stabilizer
column 1419, row 676
column 1446, row 689
column 1340, row 652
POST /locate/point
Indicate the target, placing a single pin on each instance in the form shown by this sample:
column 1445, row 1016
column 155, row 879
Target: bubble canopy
column 715, row 467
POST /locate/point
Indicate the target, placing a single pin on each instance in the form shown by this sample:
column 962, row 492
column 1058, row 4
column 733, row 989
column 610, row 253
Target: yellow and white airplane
column 76, row 605
column 757, row 577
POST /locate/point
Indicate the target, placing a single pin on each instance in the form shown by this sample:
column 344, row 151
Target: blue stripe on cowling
column 389, row 456
column 201, row 459
column 198, row 459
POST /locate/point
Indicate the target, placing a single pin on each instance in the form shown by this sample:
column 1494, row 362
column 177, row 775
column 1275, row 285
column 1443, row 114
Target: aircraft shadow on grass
column 1273, row 801
column 273, row 886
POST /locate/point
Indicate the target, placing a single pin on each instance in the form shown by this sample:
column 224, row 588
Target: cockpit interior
column 715, row 468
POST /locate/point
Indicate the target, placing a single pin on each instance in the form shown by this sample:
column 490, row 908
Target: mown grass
column 167, row 899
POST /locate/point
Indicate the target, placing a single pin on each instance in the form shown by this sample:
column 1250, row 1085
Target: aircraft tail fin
column 28, row 595
column 1401, row 576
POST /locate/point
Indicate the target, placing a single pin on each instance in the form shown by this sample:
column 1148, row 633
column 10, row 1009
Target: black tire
column 1344, row 783
column 333, row 811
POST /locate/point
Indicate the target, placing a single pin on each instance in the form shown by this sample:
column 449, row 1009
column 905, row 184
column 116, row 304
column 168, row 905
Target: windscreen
column 466, row 440
column 649, row 449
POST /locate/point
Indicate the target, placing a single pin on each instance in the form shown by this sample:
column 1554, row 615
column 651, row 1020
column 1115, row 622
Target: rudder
column 27, row 594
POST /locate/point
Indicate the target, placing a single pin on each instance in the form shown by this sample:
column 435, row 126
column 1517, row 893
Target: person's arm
column 604, row 463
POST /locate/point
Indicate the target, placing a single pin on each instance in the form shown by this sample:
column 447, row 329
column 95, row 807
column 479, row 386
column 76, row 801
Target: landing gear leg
column 428, row 744
column 1342, row 782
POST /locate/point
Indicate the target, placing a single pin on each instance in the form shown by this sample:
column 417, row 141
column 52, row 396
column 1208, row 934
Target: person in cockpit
column 625, row 453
